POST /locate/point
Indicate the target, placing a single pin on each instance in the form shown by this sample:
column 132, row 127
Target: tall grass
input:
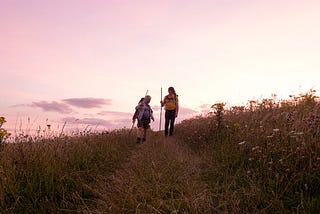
column 259, row 158
column 52, row 175
column 263, row 158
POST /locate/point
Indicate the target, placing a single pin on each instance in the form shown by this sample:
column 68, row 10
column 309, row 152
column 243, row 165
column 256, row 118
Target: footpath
column 161, row 176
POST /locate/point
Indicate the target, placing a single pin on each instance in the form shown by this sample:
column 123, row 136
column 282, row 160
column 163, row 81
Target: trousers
column 170, row 116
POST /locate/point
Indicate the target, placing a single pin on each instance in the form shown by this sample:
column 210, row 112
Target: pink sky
column 89, row 62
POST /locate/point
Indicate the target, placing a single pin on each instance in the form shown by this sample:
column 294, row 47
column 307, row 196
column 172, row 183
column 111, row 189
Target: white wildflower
column 292, row 132
column 241, row 143
column 255, row 148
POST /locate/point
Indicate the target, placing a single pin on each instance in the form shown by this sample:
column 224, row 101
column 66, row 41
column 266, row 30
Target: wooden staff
column 160, row 111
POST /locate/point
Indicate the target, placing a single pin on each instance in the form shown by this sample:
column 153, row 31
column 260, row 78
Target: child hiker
column 171, row 105
column 144, row 115
column 136, row 112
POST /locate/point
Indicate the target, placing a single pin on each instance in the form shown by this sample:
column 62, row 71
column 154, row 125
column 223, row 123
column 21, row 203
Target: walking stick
column 160, row 111
column 132, row 126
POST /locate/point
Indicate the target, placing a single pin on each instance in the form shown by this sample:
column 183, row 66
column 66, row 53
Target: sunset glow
column 89, row 62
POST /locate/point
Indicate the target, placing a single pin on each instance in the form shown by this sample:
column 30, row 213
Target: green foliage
column 218, row 111
column 3, row 133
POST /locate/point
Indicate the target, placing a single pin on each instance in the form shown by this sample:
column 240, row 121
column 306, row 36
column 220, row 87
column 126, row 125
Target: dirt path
column 162, row 176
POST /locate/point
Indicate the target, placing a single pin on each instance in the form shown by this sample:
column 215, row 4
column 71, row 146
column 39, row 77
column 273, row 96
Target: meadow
column 259, row 158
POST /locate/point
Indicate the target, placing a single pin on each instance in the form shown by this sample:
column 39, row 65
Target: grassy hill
column 262, row 158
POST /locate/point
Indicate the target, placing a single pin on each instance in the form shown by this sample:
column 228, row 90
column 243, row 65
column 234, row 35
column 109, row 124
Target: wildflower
column 299, row 133
column 236, row 125
column 255, row 148
column 241, row 143
column 270, row 136
column 276, row 130
column 292, row 132
column 2, row 120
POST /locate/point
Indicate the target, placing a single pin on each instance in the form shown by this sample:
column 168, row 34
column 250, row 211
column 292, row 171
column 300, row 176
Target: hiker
column 171, row 105
column 136, row 112
column 144, row 116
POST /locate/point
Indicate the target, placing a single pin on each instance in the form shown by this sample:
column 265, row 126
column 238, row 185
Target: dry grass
column 262, row 158
column 52, row 175
column 161, row 177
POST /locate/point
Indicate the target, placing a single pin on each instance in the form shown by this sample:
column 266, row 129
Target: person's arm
column 134, row 117
column 151, row 117
column 177, row 107
column 163, row 102
column 136, row 113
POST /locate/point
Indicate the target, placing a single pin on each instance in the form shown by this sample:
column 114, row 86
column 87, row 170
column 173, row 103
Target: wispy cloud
column 19, row 105
column 115, row 114
column 97, row 122
column 52, row 106
column 65, row 106
column 185, row 112
column 205, row 108
column 87, row 102
column 87, row 121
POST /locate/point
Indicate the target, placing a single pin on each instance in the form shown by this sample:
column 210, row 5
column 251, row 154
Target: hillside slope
column 264, row 158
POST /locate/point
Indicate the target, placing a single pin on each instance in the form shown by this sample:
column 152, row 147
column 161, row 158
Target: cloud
column 118, row 119
column 116, row 114
column 87, row 121
column 186, row 111
column 52, row 106
column 98, row 122
column 19, row 105
column 205, row 108
column 88, row 102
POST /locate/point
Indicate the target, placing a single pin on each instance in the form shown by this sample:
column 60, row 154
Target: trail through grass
column 260, row 159
column 161, row 177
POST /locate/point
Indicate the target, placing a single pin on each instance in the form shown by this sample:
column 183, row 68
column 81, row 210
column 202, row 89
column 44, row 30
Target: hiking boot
column 143, row 140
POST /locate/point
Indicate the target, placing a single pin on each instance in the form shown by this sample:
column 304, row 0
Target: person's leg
column 166, row 124
column 144, row 138
column 139, row 134
column 172, row 118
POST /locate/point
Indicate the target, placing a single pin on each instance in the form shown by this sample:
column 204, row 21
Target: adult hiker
column 171, row 105
column 144, row 116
